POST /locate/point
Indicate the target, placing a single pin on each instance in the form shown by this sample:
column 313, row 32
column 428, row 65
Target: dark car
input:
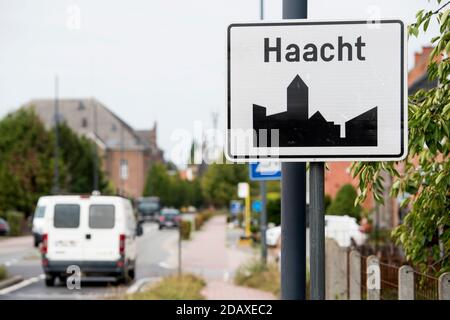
column 169, row 218
column 148, row 208
column 4, row 227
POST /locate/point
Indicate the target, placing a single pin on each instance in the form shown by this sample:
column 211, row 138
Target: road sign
column 266, row 170
column 243, row 190
column 257, row 206
column 236, row 207
column 317, row 91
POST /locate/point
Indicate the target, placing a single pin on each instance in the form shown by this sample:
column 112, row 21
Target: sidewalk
column 207, row 254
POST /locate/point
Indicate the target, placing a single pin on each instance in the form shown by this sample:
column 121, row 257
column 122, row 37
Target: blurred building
column 126, row 153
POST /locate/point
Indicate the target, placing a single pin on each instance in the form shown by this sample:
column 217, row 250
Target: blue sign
column 257, row 206
column 267, row 170
column 235, row 207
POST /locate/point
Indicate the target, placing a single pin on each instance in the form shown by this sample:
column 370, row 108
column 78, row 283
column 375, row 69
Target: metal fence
column 363, row 277
column 426, row 287
column 389, row 281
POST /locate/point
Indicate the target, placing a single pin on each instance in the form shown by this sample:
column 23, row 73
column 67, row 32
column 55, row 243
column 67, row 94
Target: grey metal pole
column 263, row 191
column 293, row 205
column 261, row 9
column 56, row 151
column 94, row 146
column 263, row 218
column 293, row 231
column 317, row 230
column 179, row 249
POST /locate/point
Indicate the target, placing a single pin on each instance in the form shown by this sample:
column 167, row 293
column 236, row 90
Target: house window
column 123, row 169
column 84, row 123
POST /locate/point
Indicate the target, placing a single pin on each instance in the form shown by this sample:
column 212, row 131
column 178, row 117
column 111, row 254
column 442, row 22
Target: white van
column 95, row 233
column 39, row 221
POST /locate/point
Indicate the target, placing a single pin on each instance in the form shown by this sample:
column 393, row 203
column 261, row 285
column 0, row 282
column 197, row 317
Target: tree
column 274, row 211
column 219, row 182
column 158, row 183
column 423, row 179
column 79, row 156
column 26, row 161
column 344, row 203
column 171, row 189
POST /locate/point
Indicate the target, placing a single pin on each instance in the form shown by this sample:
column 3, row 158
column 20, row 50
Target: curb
column 10, row 282
column 136, row 287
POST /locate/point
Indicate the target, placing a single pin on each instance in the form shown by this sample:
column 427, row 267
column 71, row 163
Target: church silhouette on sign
column 295, row 129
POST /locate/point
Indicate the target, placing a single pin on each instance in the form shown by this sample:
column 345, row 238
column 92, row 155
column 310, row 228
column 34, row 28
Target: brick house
column 126, row 153
column 338, row 174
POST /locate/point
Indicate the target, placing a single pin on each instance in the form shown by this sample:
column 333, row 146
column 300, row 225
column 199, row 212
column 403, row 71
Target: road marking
column 22, row 284
column 165, row 265
column 10, row 262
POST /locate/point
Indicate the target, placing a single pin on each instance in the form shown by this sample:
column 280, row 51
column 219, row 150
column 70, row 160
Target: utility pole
column 263, row 189
column 122, row 162
column 179, row 248
column 56, row 151
column 293, row 205
column 94, row 150
column 263, row 222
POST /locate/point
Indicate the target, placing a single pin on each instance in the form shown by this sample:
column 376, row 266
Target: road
column 156, row 250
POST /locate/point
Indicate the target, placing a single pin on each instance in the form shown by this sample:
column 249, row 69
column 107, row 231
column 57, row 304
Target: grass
column 3, row 273
column 186, row 287
column 255, row 275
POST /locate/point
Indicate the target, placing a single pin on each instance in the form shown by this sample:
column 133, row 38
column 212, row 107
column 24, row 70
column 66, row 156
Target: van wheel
column 49, row 281
column 124, row 278
column 131, row 274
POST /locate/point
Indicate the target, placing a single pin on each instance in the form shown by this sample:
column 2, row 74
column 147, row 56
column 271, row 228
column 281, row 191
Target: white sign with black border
column 302, row 90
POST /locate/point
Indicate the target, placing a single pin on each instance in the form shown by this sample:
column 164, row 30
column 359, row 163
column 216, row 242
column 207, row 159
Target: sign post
column 314, row 91
column 262, row 172
column 317, row 230
column 293, row 204
column 244, row 192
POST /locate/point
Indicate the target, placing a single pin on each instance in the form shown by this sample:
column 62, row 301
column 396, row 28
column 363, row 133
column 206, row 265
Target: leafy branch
column 422, row 180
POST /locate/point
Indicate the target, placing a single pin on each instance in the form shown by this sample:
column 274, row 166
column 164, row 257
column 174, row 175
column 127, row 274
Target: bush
column 186, row 287
column 208, row 214
column 254, row 274
column 327, row 201
column 198, row 221
column 15, row 220
column 3, row 273
column 344, row 203
column 185, row 229
column 274, row 211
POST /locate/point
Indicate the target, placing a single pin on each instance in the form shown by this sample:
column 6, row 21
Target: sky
column 158, row 60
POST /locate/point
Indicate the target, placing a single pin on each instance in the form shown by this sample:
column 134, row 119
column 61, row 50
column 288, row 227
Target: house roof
column 109, row 131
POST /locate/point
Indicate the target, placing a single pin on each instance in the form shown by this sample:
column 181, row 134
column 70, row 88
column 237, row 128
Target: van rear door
column 65, row 237
column 102, row 234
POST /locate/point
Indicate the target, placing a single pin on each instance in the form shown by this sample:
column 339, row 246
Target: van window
column 66, row 216
column 39, row 212
column 101, row 216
